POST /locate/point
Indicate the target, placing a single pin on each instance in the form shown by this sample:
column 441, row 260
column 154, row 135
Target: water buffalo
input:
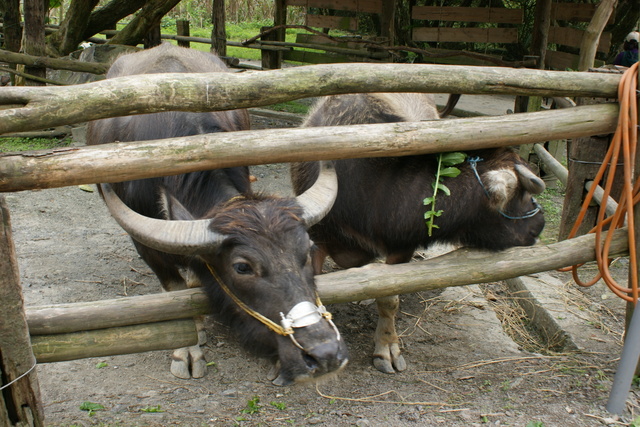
column 379, row 210
column 251, row 252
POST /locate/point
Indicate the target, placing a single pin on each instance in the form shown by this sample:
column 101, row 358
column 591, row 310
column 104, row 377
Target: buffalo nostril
column 310, row 361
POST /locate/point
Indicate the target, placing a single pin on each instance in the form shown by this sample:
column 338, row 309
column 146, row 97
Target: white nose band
column 303, row 314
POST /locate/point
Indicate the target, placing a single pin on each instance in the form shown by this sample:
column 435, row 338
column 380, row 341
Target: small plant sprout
column 253, row 406
column 152, row 409
column 446, row 163
column 91, row 407
column 278, row 405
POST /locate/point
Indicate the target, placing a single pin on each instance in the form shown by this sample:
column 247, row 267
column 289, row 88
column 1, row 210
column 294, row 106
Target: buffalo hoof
column 275, row 377
column 188, row 362
column 390, row 361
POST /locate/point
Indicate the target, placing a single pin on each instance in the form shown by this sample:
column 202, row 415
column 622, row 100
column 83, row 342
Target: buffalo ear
column 501, row 186
column 171, row 208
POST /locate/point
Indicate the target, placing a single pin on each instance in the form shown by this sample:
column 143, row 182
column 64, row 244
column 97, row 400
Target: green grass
column 295, row 107
column 10, row 144
column 235, row 32
column 551, row 201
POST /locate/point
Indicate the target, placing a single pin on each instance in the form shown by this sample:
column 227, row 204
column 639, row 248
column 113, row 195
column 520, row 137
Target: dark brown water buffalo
column 379, row 210
column 250, row 252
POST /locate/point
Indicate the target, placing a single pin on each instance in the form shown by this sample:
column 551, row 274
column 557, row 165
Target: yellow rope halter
column 273, row 326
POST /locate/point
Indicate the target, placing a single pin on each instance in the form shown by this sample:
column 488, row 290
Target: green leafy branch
column 446, row 163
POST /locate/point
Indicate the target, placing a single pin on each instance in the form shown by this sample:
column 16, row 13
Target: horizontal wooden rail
column 44, row 107
column 125, row 161
column 113, row 341
column 457, row 268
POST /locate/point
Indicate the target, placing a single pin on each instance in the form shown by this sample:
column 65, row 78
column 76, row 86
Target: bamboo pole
column 457, row 268
column 126, row 161
column 52, row 106
column 113, row 341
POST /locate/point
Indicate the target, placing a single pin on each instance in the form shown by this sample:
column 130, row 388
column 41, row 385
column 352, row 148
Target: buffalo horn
column 529, row 180
column 174, row 237
column 318, row 200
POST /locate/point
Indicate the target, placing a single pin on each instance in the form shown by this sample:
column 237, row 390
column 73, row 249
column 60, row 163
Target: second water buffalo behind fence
column 380, row 211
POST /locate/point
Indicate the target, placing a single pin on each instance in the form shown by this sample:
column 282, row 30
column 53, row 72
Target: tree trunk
column 145, row 20
column 126, row 161
column 591, row 37
column 11, row 25
column 541, row 31
column 72, row 28
column 106, row 17
column 20, row 402
column 33, row 36
column 153, row 38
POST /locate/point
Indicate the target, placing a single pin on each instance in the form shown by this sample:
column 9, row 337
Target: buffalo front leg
column 387, row 355
column 189, row 362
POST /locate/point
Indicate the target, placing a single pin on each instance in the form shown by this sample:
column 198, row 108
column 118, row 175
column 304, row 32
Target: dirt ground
column 464, row 370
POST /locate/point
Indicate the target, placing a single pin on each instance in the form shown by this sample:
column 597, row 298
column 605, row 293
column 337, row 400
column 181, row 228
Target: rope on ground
column 622, row 148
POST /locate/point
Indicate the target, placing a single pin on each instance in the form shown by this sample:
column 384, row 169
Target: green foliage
column 635, row 422
column 535, row 424
column 11, row 144
column 253, row 406
column 279, row 405
column 101, row 365
column 446, row 163
column 91, row 407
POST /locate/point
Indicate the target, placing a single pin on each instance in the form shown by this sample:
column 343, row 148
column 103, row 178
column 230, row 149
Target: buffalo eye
column 242, row 268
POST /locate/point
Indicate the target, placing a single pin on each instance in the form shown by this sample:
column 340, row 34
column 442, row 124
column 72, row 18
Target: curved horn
column 318, row 200
column 529, row 180
column 174, row 237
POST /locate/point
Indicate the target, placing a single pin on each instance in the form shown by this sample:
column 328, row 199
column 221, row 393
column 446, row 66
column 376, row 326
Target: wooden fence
column 28, row 108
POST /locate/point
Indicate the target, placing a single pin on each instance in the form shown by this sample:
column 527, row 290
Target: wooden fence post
column 218, row 33
column 20, row 402
column 584, row 158
column 182, row 29
column 272, row 60
column 33, row 40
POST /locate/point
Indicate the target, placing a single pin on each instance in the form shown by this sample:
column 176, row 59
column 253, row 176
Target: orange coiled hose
column 623, row 145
